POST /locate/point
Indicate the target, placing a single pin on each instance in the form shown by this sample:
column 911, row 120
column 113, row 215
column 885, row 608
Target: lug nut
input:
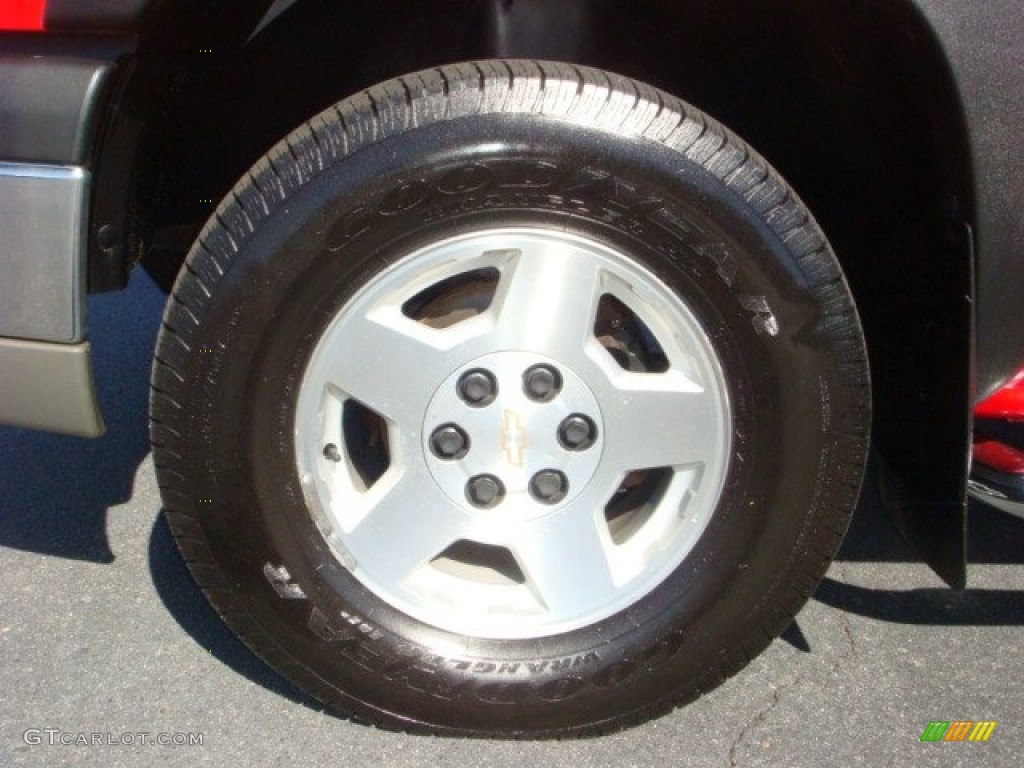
column 485, row 491
column 449, row 442
column 549, row 486
column 541, row 383
column 478, row 387
column 577, row 432
column 331, row 452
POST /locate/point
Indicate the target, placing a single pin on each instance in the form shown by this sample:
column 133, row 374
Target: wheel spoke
column 565, row 559
column 546, row 301
column 403, row 526
column 661, row 420
column 387, row 362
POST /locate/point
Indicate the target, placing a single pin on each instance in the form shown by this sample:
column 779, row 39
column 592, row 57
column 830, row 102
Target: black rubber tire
column 479, row 145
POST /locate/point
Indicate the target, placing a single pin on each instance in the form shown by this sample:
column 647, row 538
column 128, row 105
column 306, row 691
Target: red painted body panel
column 25, row 15
column 998, row 456
column 1005, row 403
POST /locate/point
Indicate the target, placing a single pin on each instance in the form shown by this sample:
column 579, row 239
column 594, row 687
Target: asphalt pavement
column 105, row 639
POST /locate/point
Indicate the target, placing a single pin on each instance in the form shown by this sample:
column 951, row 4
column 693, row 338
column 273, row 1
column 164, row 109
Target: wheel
column 509, row 398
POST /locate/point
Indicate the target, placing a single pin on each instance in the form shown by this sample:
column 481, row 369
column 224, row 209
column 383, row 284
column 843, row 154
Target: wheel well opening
column 854, row 105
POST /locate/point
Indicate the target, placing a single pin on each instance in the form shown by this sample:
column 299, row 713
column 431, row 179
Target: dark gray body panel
column 45, row 106
column 104, row 15
column 982, row 41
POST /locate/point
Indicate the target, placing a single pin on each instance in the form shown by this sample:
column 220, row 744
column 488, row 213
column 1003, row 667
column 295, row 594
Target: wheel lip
column 306, row 454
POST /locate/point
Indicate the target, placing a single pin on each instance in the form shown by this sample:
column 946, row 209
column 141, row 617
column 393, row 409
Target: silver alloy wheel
column 513, row 433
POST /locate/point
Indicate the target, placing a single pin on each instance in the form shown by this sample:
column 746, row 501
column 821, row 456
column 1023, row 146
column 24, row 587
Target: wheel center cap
column 513, row 431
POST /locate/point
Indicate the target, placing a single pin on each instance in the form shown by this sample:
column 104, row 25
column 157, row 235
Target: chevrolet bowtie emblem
column 513, row 438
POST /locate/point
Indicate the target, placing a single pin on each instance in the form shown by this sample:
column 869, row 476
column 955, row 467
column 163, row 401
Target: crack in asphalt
column 757, row 720
column 844, row 624
column 832, row 671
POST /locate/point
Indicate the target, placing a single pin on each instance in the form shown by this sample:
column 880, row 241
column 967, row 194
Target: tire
column 510, row 399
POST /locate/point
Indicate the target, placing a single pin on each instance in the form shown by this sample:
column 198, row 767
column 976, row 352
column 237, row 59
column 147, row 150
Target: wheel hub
column 514, row 435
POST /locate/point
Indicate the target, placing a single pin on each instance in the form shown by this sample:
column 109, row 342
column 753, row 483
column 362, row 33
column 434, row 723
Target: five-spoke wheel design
column 513, row 433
